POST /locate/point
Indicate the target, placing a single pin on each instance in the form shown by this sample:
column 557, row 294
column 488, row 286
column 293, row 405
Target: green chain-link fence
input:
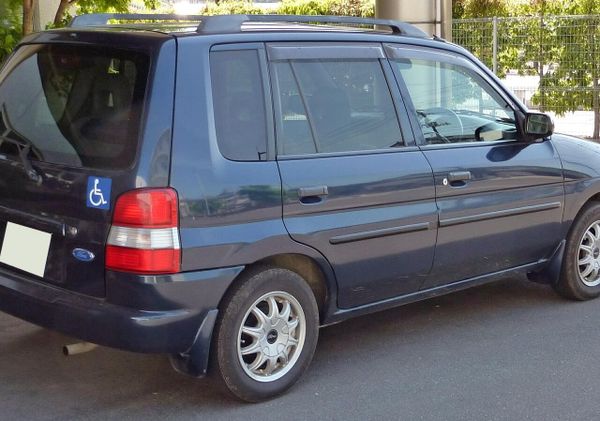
column 550, row 62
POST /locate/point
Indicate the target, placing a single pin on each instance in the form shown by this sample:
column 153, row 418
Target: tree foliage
column 62, row 16
column 484, row 8
column 468, row 9
column 16, row 16
column 10, row 26
column 11, row 12
column 363, row 8
column 572, row 80
column 561, row 48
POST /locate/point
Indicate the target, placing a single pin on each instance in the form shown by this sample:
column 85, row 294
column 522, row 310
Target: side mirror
column 538, row 125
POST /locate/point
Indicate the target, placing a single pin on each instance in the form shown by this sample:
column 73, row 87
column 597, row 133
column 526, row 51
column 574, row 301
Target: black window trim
column 400, row 149
column 266, row 84
column 400, row 106
column 354, row 50
column 457, row 145
column 396, row 51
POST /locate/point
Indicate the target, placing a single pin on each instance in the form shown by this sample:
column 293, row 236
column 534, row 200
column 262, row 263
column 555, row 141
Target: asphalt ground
column 512, row 350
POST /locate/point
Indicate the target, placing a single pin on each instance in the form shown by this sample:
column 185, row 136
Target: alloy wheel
column 271, row 336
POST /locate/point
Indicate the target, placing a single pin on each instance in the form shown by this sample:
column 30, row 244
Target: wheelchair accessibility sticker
column 98, row 192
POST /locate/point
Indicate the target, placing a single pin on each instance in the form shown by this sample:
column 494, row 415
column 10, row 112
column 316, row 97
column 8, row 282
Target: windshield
column 76, row 106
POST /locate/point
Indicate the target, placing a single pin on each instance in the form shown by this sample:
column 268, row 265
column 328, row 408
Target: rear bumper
column 152, row 314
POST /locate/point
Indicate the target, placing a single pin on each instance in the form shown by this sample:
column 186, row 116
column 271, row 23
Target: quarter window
column 454, row 104
column 239, row 104
column 328, row 106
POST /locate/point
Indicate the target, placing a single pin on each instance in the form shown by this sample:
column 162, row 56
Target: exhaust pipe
column 78, row 348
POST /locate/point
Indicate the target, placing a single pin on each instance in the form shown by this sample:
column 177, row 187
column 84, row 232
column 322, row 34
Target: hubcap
column 588, row 258
column 271, row 336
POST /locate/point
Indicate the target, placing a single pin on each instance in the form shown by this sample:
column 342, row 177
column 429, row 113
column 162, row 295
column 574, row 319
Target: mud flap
column 194, row 362
column 550, row 273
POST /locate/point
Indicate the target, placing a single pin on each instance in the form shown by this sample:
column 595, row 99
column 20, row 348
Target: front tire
column 266, row 333
column 580, row 275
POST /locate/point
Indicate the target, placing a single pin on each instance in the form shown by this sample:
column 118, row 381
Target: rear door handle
column 313, row 194
column 458, row 178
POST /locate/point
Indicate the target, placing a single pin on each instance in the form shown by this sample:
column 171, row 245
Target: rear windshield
column 73, row 105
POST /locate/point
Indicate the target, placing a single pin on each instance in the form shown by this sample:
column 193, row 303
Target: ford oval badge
column 83, row 255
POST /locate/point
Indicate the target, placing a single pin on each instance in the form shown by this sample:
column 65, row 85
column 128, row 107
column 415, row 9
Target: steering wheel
column 442, row 118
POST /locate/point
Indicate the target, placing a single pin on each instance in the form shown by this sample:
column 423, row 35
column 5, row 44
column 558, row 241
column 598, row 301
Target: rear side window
column 239, row 104
column 73, row 105
column 327, row 106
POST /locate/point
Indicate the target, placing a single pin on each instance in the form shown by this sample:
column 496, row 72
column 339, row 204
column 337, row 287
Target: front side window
column 73, row 105
column 454, row 104
column 328, row 106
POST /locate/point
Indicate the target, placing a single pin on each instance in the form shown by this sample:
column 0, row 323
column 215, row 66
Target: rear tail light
column 144, row 236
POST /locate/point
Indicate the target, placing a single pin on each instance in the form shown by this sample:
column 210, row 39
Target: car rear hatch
column 71, row 132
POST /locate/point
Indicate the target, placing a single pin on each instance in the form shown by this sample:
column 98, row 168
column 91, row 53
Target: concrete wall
column 433, row 16
column 46, row 9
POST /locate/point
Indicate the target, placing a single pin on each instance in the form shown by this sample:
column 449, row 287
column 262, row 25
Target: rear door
column 69, row 126
column 500, row 199
column 355, row 186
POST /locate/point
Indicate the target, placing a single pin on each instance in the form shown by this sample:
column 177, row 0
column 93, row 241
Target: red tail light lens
column 144, row 236
column 125, row 259
column 147, row 208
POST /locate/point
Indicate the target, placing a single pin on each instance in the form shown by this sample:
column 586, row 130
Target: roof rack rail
column 219, row 24
column 101, row 19
column 233, row 23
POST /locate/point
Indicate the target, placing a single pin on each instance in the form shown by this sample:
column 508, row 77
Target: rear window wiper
column 24, row 146
column 23, row 151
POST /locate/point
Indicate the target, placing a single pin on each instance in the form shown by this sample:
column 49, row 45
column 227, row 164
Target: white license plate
column 25, row 248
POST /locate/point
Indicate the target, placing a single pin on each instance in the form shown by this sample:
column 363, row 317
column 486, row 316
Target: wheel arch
column 593, row 198
column 303, row 260
column 313, row 268
column 577, row 197
column 551, row 272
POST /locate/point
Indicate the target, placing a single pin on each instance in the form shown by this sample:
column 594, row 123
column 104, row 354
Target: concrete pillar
column 45, row 11
column 432, row 16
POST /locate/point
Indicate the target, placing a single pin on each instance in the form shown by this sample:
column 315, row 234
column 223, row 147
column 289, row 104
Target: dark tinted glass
column 239, row 104
column 334, row 106
column 73, row 105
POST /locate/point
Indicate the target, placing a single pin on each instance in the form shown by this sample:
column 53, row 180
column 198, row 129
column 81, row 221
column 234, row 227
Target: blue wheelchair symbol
column 98, row 192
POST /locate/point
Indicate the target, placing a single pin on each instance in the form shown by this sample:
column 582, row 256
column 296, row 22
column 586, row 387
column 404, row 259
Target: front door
column 500, row 199
column 355, row 185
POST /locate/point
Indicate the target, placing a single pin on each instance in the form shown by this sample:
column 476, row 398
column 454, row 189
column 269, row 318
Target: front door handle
column 313, row 194
column 458, row 178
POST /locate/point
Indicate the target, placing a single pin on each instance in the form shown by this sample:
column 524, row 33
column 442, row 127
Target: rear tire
column 266, row 333
column 580, row 274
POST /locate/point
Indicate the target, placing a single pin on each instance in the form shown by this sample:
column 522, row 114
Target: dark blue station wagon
column 216, row 191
